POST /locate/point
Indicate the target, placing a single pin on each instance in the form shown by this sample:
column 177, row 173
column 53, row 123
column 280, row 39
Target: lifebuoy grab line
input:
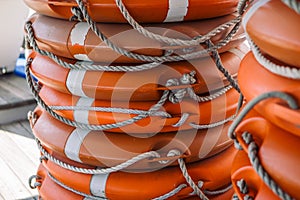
column 281, row 70
column 104, row 171
column 290, row 100
column 174, row 98
column 146, row 58
column 252, row 146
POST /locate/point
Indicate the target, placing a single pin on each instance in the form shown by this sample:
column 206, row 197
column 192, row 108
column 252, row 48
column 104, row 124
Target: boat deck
column 19, row 156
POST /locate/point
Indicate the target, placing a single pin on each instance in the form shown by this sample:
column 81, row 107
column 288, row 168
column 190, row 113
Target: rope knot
column 177, row 95
column 77, row 14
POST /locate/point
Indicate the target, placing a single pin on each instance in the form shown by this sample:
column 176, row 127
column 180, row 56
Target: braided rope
column 280, row 70
column 163, row 197
column 189, row 180
column 114, row 110
column 83, row 66
column 221, row 68
column 292, row 103
column 141, row 57
column 73, row 190
column 293, row 4
column 210, row 97
column 172, row 41
column 132, row 120
column 124, row 165
column 217, row 192
column 254, row 159
column 242, row 6
column 151, row 112
column 212, row 125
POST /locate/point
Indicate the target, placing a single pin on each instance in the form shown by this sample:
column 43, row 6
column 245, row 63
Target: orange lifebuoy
column 154, row 11
column 274, row 28
column 110, row 149
column 246, row 182
column 49, row 190
column 273, row 109
column 165, row 119
column 123, row 185
column 75, row 40
column 136, row 86
column 274, row 145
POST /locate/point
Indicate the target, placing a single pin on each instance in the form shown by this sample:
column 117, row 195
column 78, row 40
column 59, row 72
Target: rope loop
column 290, row 100
column 143, row 156
column 34, row 178
column 255, row 162
column 281, row 70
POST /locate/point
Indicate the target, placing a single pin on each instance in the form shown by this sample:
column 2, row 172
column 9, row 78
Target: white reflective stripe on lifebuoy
column 237, row 52
column 74, row 82
column 252, row 10
column 78, row 33
column 82, row 115
column 74, row 142
column 177, row 10
column 77, row 36
column 98, row 185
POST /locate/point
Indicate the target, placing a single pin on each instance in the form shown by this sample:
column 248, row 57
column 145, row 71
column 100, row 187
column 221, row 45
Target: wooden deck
column 19, row 156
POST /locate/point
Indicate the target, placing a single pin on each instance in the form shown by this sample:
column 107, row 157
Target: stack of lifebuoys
column 266, row 167
column 131, row 111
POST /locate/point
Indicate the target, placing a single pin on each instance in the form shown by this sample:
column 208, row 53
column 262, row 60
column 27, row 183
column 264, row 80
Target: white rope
column 253, row 150
column 293, row 4
column 285, row 71
column 90, row 197
column 147, row 58
column 172, row 41
column 124, row 165
column 189, row 180
column 114, row 110
column 212, row 125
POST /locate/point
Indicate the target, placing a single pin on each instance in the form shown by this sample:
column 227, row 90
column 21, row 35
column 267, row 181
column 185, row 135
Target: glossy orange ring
column 274, row 145
column 142, row 11
column 75, row 40
column 274, row 28
column 254, row 80
column 110, row 149
column 123, row 185
column 144, row 85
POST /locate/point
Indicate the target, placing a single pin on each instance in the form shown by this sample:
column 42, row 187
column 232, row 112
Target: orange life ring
column 246, row 182
column 274, row 145
column 142, row 85
column 110, row 149
column 49, row 190
column 209, row 112
column 123, row 185
column 274, row 28
column 154, row 11
column 75, row 40
column 274, row 110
